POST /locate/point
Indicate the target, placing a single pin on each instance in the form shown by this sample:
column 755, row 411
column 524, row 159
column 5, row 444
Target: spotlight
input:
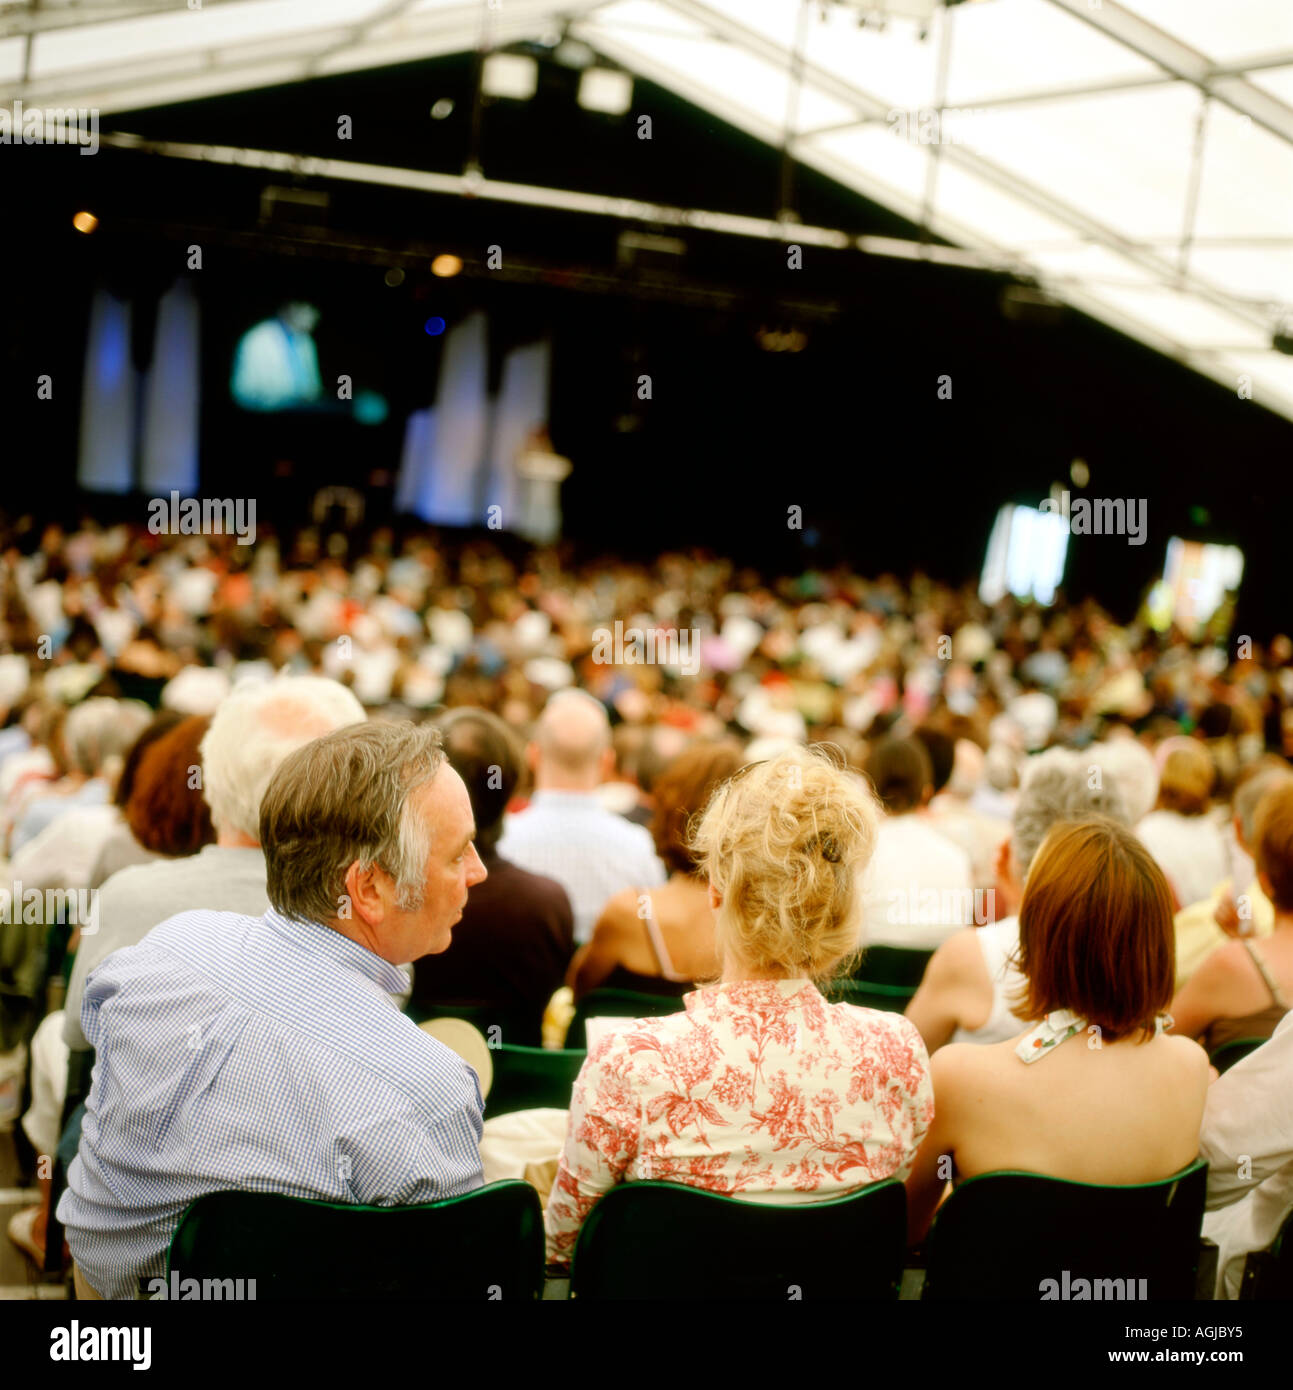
column 571, row 53
column 446, row 265
column 602, row 89
column 442, row 108
column 85, row 222
column 510, row 75
column 394, row 277
column 1079, row 473
column 435, row 327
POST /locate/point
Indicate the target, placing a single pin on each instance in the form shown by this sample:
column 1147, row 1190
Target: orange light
column 446, row 265
column 85, row 222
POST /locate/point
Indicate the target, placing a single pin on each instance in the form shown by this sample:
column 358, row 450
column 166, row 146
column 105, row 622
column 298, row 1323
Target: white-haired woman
column 761, row 1087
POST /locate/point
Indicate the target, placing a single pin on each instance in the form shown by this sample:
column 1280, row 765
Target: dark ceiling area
column 850, row 427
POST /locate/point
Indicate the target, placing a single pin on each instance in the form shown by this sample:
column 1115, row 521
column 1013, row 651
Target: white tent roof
column 1136, row 155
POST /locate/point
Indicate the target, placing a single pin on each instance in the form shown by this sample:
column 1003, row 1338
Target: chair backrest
column 893, row 965
column 663, row 1240
column 531, row 1078
column 487, row 1244
column 1233, row 1051
column 617, row 1003
column 1268, row 1274
column 1004, row 1235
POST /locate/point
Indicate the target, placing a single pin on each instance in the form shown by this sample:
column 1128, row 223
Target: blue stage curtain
column 106, row 460
column 413, row 487
column 527, row 504
column 172, row 395
column 452, row 491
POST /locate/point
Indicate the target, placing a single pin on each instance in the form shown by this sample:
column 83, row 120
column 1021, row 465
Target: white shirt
column 590, row 851
column 1188, row 849
column 1247, row 1139
column 918, row 888
column 64, row 853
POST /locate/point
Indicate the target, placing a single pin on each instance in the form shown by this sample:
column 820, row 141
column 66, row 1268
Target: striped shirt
column 262, row 1054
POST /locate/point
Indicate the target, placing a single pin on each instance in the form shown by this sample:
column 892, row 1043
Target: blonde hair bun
column 786, row 842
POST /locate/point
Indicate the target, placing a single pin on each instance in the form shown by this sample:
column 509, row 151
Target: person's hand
column 1227, row 915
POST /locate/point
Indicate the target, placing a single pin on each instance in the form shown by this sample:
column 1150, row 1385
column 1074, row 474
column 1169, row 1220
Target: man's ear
column 532, row 757
column 364, row 900
column 606, row 764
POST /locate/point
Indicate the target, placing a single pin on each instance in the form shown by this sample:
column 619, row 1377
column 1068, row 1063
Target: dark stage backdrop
column 850, row 428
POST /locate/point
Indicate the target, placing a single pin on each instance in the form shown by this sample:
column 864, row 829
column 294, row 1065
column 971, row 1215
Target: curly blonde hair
column 786, row 843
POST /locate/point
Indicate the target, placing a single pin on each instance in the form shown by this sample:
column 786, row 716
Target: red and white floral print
column 760, row 1089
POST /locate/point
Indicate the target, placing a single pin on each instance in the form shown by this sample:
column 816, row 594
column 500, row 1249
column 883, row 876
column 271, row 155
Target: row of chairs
column 886, row 978
column 999, row 1236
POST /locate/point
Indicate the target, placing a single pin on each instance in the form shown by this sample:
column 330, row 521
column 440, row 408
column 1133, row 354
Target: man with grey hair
column 567, row 833
column 972, row 980
column 258, row 725
column 265, row 1052
column 255, row 727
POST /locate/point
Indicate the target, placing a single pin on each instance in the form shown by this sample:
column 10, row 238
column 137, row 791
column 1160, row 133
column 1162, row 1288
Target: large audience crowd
column 309, row 791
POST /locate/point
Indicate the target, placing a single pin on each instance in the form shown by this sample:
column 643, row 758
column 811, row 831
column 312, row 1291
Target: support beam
column 870, row 106
column 1183, row 62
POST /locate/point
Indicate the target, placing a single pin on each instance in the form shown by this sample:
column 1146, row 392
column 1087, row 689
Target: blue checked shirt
column 262, row 1054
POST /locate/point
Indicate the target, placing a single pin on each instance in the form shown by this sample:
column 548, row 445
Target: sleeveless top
column 1259, row 1025
column 998, row 942
column 668, row 982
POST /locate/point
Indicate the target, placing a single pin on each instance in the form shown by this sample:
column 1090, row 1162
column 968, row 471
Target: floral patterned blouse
column 761, row 1089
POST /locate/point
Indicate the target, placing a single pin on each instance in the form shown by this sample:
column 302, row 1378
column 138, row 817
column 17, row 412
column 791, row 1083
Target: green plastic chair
column 1268, row 1274
column 617, row 1003
column 487, row 1244
column 1233, row 1051
column 1001, row 1235
column 893, row 965
column 889, row 998
column 661, row 1240
column 530, row 1078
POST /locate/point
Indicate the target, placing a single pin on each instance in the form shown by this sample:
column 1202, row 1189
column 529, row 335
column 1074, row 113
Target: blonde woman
column 761, row 1088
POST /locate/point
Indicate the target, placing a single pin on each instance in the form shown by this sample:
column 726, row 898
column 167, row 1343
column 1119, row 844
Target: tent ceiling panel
column 875, row 155
column 1247, row 183
column 97, row 46
column 1123, row 157
column 1183, row 318
column 1228, row 33
column 1010, row 47
column 12, row 52
column 1001, row 218
column 737, row 76
column 1261, row 274
column 1277, row 81
column 1071, row 140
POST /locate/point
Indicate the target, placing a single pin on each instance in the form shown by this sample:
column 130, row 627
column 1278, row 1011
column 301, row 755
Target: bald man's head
column 572, row 743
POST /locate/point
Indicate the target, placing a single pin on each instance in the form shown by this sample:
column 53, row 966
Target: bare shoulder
column 958, row 958
column 1186, row 1054
column 962, row 1069
column 618, row 913
column 1229, row 961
